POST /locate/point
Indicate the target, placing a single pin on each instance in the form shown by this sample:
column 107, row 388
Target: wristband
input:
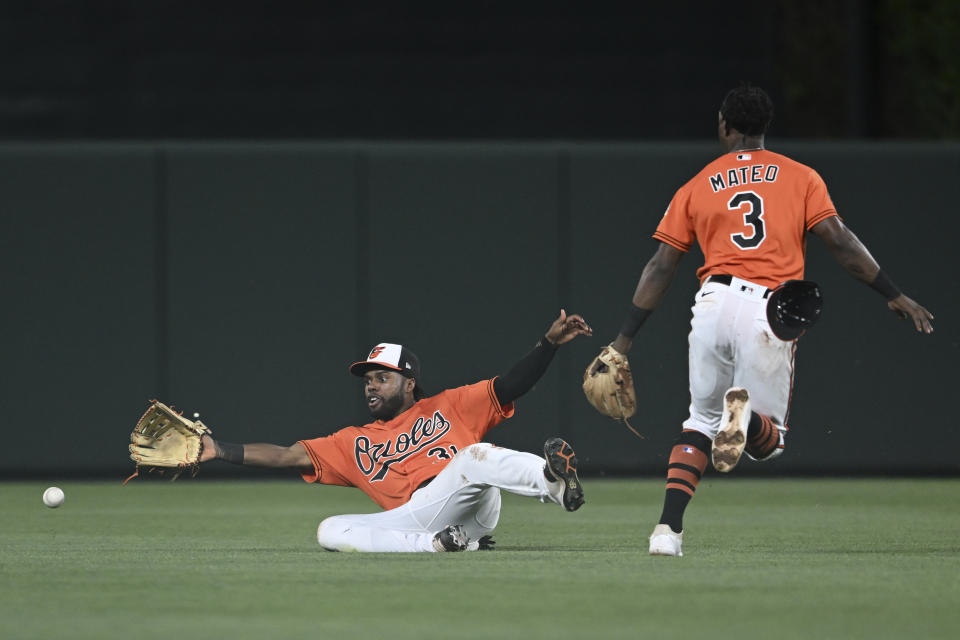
column 635, row 317
column 229, row 452
column 882, row 285
column 545, row 343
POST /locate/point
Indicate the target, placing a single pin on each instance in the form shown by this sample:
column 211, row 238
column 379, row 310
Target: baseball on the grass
column 53, row 497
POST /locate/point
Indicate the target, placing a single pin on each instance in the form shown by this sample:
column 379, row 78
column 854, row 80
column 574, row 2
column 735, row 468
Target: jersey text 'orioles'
column 389, row 460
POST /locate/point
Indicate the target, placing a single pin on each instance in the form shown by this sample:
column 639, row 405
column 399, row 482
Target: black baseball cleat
column 562, row 465
column 451, row 538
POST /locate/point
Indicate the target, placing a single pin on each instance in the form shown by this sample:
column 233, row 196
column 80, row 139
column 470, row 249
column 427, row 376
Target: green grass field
column 237, row 559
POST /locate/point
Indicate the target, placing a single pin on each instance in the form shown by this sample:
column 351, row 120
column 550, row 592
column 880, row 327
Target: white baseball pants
column 466, row 492
column 732, row 345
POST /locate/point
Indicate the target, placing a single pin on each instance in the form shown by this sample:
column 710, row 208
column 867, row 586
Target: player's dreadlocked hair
column 747, row 109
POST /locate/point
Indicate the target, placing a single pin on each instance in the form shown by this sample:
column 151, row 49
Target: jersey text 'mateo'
column 750, row 211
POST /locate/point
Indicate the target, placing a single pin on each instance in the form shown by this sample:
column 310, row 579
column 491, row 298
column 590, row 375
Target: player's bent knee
column 476, row 452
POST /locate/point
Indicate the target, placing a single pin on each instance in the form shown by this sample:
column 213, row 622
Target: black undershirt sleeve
column 523, row 375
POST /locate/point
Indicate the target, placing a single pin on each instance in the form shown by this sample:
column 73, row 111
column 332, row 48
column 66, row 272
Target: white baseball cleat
column 664, row 542
column 732, row 437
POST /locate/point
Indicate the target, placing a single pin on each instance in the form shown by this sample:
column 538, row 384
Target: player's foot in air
column 665, row 542
column 451, row 538
column 562, row 465
column 732, row 438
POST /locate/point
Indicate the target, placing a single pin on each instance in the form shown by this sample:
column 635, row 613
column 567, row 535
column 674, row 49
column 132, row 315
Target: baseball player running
column 421, row 458
column 749, row 210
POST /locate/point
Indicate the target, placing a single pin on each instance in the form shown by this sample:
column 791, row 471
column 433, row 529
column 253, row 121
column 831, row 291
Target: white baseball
column 53, row 497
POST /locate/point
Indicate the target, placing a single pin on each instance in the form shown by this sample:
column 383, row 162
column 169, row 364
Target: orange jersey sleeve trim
column 820, row 217
column 503, row 412
column 317, row 469
column 670, row 240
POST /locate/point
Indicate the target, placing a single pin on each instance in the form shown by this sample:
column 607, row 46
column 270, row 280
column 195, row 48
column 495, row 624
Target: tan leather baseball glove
column 165, row 440
column 608, row 386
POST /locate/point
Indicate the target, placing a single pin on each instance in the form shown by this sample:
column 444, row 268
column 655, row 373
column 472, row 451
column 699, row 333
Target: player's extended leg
column 481, row 466
column 711, row 370
column 423, row 523
column 688, row 460
column 465, row 493
column 393, row 530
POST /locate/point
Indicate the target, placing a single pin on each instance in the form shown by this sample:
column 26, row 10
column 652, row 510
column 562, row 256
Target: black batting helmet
column 794, row 307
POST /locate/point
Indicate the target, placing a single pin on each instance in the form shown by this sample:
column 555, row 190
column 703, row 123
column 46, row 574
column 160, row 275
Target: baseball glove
column 165, row 440
column 608, row 385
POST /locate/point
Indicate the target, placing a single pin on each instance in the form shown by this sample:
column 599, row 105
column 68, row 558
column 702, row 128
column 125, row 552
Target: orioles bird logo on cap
column 375, row 352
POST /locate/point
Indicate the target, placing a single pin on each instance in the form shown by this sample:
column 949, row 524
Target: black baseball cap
column 394, row 357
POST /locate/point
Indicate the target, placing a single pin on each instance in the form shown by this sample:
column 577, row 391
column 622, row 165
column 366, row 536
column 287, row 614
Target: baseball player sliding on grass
column 421, row 458
column 750, row 211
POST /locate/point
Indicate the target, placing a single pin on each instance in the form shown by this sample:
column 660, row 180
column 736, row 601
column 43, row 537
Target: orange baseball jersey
column 389, row 460
column 749, row 211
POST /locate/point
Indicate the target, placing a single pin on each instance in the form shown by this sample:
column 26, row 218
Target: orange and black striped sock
column 688, row 459
column 762, row 436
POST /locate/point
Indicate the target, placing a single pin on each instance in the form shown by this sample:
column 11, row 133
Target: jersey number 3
column 752, row 216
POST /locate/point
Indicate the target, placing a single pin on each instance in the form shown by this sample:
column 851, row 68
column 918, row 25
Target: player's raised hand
column 566, row 328
column 907, row 308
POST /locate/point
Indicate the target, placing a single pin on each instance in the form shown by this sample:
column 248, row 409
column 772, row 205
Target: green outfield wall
column 239, row 280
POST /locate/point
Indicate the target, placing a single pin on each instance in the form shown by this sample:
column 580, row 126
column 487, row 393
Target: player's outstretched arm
column 525, row 373
column 256, row 455
column 854, row 257
column 655, row 280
